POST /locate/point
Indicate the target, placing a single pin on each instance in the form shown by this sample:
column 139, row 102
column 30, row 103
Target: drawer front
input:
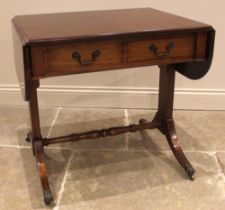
column 63, row 59
column 75, row 58
column 165, row 48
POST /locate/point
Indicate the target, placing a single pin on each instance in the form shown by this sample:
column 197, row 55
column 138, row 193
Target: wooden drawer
column 161, row 48
column 74, row 58
column 63, row 59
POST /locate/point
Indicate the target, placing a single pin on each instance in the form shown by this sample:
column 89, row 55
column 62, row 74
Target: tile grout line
column 219, row 165
column 28, row 147
column 126, row 122
column 53, row 122
column 64, row 180
column 15, row 146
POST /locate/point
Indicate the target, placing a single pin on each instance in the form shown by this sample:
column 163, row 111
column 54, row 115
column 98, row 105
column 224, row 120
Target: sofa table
column 48, row 45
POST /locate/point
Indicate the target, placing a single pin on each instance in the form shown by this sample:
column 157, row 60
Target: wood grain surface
column 76, row 25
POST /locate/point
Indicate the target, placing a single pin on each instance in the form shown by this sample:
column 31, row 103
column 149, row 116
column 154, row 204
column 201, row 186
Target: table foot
column 167, row 127
column 48, row 198
column 190, row 171
column 170, row 133
column 39, row 154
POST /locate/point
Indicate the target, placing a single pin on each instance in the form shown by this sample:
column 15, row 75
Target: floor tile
column 19, row 180
column 15, row 123
column 196, row 130
column 201, row 130
column 129, row 172
column 139, row 180
column 206, row 193
column 71, row 120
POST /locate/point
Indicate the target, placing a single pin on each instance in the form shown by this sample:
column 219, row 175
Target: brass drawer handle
column 154, row 49
column 77, row 56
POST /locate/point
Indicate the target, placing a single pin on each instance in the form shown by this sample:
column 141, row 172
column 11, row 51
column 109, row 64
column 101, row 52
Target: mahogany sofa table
column 49, row 45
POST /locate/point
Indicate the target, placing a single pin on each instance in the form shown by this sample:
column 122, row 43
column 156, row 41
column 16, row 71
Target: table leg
column 165, row 115
column 35, row 137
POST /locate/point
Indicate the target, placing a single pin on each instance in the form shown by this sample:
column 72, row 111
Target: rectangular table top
column 42, row 28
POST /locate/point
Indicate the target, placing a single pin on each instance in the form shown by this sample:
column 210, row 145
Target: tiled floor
column 126, row 172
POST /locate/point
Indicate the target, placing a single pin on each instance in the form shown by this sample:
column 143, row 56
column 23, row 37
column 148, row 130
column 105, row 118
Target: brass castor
column 190, row 171
column 48, row 198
